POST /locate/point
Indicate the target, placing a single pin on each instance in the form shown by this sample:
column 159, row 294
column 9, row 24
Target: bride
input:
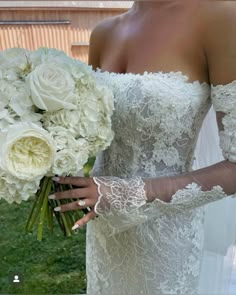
column 167, row 62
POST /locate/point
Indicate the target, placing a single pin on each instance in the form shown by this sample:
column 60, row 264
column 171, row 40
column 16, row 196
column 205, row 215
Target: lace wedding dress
column 155, row 248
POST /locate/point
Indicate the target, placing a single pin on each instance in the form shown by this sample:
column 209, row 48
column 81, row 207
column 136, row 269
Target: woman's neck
column 146, row 5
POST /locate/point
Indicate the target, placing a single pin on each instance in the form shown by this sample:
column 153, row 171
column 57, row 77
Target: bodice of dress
column 156, row 122
column 136, row 247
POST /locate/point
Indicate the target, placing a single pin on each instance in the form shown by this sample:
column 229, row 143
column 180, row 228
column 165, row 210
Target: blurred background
column 57, row 264
column 65, row 25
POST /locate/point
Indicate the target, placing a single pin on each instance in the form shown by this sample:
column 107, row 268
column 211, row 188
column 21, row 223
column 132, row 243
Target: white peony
column 27, row 151
column 52, row 88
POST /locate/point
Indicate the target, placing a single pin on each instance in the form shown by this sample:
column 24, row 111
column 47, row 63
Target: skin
column 195, row 37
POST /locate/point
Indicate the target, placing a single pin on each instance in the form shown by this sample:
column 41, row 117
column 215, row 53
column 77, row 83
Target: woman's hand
column 86, row 194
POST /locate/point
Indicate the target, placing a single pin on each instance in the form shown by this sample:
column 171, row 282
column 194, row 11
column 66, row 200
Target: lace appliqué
column 156, row 247
column 119, row 199
column 224, row 100
column 192, row 197
column 156, row 120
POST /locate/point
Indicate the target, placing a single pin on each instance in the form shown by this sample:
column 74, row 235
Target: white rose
column 62, row 137
column 65, row 163
column 52, row 88
column 27, row 151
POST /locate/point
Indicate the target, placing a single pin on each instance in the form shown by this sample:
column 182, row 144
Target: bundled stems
column 43, row 208
column 37, row 204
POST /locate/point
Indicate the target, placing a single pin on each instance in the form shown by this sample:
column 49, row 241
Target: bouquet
column 55, row 117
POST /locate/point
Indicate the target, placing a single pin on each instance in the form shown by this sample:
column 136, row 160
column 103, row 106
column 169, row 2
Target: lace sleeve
column 119, row 201
column 224, row 100
column 125, row 203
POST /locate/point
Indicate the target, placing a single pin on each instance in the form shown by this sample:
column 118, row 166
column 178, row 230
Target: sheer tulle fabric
column 218, row 266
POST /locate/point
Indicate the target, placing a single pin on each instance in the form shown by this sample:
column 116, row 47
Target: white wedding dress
column 157, row 249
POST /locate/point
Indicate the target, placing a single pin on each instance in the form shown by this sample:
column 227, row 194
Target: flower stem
column 37, row 205
column 50, row 218
column 65, row 220
column 44, row 208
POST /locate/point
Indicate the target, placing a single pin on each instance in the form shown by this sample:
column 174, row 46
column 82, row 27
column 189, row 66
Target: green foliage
column 54, row 266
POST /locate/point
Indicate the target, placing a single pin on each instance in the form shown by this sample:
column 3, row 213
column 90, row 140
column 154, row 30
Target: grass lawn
column 55, row 265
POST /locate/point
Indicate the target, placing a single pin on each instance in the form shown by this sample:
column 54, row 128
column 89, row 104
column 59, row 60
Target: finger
column 85, row 219
column 70, row 194
column 77, row 181
column 75, row 205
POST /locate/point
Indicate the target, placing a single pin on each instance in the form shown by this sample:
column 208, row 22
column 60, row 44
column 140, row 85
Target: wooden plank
column 36, row 22
column 80, row 44
column 116, row 5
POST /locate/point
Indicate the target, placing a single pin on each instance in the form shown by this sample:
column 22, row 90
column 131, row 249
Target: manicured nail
column 55, row 178
column 57, row 209
column 75, row 227
column 52, row 197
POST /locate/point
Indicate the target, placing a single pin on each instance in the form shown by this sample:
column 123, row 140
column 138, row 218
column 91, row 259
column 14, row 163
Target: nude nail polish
column 52, row 197
column 55, row 178
column 75, row 227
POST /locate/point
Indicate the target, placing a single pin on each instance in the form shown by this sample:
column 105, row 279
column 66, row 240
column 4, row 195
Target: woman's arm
column 121, row 200
column 220, row 49
column 95, row 47
column 99, row 40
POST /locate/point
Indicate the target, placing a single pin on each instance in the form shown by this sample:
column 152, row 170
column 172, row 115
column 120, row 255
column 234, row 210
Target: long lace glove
column 119, row 200
column 125, row 203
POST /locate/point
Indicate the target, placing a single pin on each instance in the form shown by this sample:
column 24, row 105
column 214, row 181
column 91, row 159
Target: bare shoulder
column 100, row 37
column 219, row 19
column 105, row 27
column 219, row 13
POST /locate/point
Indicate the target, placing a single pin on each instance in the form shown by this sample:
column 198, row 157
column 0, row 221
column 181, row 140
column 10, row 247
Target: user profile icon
column 16, row 279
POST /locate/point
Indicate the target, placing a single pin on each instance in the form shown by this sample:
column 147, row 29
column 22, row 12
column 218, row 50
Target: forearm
column 128, row 202
column 222, row 174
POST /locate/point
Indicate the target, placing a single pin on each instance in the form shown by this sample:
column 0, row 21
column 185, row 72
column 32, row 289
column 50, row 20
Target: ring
column 81, row 203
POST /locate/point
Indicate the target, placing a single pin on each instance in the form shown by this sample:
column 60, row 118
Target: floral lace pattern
column 119, row 199
column 224, row 100
column 158, row 249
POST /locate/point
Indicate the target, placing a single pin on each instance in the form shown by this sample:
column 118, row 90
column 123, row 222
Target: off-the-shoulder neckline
column 166, row 74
